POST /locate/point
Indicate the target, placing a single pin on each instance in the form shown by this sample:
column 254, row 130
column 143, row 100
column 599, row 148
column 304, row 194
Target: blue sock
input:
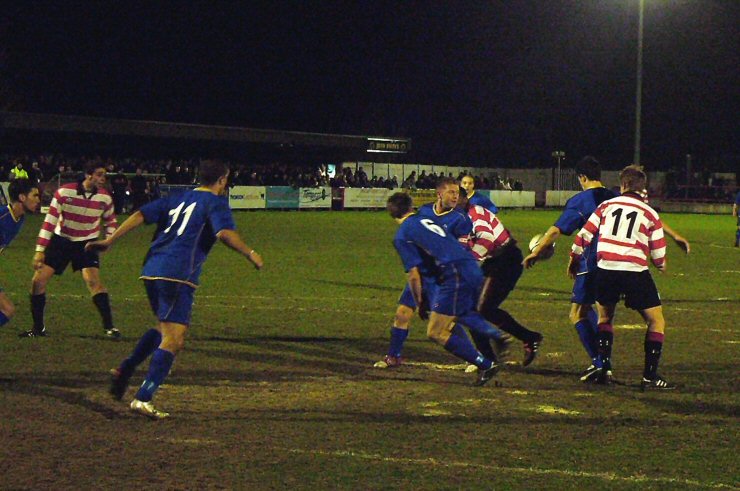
column 3, row 319
column 145, row 347
column 586, row 335
column 460, row 346
column 159, row 367
column 477, row 323
column 398, row 336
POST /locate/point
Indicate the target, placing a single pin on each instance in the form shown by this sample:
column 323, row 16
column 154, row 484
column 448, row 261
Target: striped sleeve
column 50, row 223
column 488, row 232
column 586, row 235
column 657, row 243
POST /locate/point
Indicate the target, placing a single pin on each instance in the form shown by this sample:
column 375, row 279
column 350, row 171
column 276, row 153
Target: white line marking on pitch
column 427, row 462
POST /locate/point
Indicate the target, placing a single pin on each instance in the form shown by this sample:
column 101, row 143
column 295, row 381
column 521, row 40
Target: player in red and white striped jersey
column 629, row 232
column 74, row 218
column 501, row 262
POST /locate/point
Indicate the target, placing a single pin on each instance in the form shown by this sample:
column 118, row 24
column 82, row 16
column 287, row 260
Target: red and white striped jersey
column 75, row 215
column 488, row 232
column 628, row 232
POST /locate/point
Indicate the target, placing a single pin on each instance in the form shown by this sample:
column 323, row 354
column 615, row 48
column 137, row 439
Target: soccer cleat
column 389, row 362
column 485, row 375
column 32, row 333
column 530, row 351
column 604, row 377
column 590, row 374
column 148, row 410
column 658, row 383
column 118, row 384
column 113, row 333
column 502, row 346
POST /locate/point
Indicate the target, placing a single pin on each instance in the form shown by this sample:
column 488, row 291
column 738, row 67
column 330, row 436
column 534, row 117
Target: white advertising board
column 366, row 197
column 247, row 197
column 314, row 197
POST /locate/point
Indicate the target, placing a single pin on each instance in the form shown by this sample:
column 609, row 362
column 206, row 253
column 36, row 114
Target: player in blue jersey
column 458, row 225
column 24, row 198
column 458, row 281
column 577, row 211
column 188, row 224
column 475, row 198
column 735, row 208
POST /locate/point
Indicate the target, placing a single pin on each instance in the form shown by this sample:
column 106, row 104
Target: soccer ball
column 544, row 253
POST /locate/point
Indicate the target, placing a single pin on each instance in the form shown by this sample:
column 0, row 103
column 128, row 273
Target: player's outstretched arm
column 677, row 238
column 233, row 241
column 131, row 223
column 548, row 239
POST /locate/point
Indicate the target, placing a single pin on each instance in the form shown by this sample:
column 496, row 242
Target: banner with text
column 314, row 197
column 423, row 196
column 247, row 197
column 366, row 197
column 282, row 197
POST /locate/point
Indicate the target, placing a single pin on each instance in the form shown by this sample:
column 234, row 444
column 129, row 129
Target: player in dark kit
column 188, row 226
column 24, row 198
column 735, row 208
column 458, row 281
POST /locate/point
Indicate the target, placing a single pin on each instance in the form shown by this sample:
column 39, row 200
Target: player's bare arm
column 414, row 279
column 548, row 239
column 233, row 241
column 677, row 238
column 131, row 223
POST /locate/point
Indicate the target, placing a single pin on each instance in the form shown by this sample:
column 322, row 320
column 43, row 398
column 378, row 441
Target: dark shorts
column 459, row 289
column 584, row 289
column 501, row 275
column 638, row 289
column 428, row 289
column 60, row 252
column 171, row 301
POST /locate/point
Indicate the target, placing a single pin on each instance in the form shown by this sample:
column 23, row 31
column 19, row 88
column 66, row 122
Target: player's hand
column 682, row 243
column 424, row 309
column 256, row 259
column 98, row 245
column 38, row 261
column 530, row 260
column 572, row 270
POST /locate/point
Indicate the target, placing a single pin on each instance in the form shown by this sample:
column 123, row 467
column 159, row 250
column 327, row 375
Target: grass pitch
column 276, row 389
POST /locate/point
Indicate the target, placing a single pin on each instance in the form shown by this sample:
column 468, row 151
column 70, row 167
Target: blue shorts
column 584, row 289
column 461, row 285
column 171, row 301
column 428, row 289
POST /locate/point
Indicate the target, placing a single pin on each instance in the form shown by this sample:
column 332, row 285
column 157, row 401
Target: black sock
column 606, row 339
column 504, row 321
column 38, row 303
column 653, row 350
column 483, row 345
column 102, row 302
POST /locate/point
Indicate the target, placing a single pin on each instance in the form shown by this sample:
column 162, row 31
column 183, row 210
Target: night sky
column 480, row 83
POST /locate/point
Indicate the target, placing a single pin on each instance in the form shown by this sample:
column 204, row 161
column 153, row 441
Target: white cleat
column 148, row 410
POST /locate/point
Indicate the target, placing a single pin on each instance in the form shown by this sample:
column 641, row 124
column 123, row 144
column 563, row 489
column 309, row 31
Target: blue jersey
column 187, row 224
column 577, row 211
column 9, row 225
column 481, row 200
column 454, row 221
column 422, row 240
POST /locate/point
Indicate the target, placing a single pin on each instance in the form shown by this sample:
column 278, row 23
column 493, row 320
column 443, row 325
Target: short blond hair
column 633, row 178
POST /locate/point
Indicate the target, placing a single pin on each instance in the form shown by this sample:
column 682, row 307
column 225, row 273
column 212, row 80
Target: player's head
column 462, row 200
column 399, row 205
column 448, row 191
column 588, row 169
column 467, row 183
column 214, row 172
column 632, row 178
column 25, row 192
column 95, row 173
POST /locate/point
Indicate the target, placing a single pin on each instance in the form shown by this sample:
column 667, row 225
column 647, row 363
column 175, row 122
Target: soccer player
column 457, row 224
column 735, row 208
column 468, row 183
column 188, row 225
column 628, row 231
column 501, row 262
column 73, row 220
column 459, row 281
column 577, row 210
column 24, row 198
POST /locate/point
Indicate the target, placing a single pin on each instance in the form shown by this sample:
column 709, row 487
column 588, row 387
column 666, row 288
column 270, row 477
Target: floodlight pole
column 638, row 95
